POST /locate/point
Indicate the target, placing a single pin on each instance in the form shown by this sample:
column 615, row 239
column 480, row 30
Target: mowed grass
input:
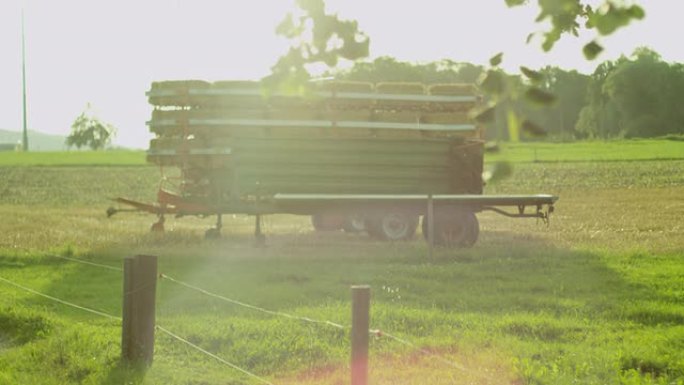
column 598, row 151
column 73, row 158
column 593, row 151
column 597, row 297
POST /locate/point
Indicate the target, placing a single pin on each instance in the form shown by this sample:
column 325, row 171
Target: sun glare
column 108, row 53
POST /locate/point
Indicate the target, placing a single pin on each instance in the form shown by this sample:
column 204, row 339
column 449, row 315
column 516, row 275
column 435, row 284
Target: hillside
column 38, row 141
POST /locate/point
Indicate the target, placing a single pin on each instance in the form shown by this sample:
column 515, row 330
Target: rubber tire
column 455, row 228
column 157, row 227
column 327, row 222
column 379, row 226
column 354, row 224
column 212, row 233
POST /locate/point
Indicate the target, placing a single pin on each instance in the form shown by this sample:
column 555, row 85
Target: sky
column 107, row 53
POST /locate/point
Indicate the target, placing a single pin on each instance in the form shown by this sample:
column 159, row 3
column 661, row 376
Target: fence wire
column 162, row 329
column 410, row 344
column 63, row 302
column 212, row 355
column 109, row 267
column 253, row 307
column 375, row 332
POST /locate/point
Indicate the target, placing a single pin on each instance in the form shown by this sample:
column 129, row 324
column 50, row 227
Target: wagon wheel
column 158, row 226
column 327, row 222
column 215, row 232
column 212, row 233
column 392, row 226
column 354, row 223
column 453, row 228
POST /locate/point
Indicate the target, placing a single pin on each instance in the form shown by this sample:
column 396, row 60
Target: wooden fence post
column 126, row 308
column 140, row 287
column 359, row 334
column 430, row 226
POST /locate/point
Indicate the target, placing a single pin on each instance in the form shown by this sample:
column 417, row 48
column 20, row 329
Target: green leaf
column 592, row 50
column 486, row 116
column 353, row 49
column 513, row 123
column 515, row 3
column 323, row 29
column 550, row 39
column 499, row 172
column 314, row 7
column 330, row 59
column 613, row 17
column 496, row 60
column 492, row 147
column 329, row 40
column 540, row 97
column 493, row 83
column 637, row 12
column 533, row 129
column 286, row 27
column 533, row 75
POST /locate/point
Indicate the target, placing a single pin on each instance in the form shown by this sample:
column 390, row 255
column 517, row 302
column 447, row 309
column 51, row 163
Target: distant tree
column 89, row 131
column 388, row 69
column 570, row 87
column 629, row 97
column 320, row 38
column 647, row 94
column 637, row 97
column 382, row 69
column 598, row 118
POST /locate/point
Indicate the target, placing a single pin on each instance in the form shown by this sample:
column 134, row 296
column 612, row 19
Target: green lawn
column 595, row 298
column 73, row 158
column 597, row 151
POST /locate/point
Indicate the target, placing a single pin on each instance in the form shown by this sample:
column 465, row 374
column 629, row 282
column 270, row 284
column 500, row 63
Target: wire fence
column 329, row 323
column 375, row 332
column 119, row 319
column 108, row 267
column 253, row 307
column 214, row 356
column 63, row 302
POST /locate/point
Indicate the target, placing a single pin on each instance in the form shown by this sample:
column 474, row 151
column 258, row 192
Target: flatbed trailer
column 388, row 217
column 353, row 156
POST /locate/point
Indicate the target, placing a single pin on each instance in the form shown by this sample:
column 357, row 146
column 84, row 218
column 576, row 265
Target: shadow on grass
column 516, row 285
column 506, row 272
column 126, row 373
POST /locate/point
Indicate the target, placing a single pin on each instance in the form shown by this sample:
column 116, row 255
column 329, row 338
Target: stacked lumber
column 231, row 140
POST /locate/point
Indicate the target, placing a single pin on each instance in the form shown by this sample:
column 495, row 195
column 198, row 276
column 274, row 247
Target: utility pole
column 24, row 142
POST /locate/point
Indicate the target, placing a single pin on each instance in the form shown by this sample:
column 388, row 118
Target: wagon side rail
column 542, row 205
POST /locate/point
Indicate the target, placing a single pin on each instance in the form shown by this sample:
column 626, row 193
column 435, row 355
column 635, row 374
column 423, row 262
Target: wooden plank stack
column 232, row 141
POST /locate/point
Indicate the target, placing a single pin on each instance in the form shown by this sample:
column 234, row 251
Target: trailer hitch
column 540, row 213
column 111, row 211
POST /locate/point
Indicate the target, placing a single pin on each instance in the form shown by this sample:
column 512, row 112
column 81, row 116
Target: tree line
column 632, row 97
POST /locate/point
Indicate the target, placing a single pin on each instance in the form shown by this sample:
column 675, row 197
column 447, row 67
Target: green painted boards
column 233, row 141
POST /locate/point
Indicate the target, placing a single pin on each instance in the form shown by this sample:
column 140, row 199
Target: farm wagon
column 352, row 155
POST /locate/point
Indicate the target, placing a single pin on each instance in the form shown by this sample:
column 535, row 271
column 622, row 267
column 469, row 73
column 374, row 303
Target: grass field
column 601, row 151
column 595, row 298
column 598, row 151
column 73, row 158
